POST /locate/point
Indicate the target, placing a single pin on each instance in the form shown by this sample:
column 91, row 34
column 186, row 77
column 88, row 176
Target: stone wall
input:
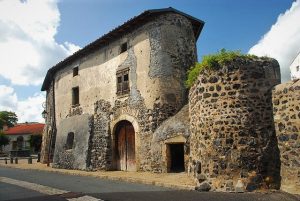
column 77, row 156
column 233, row 141
column 101, row 143
column 174, row 130
column 286, row 108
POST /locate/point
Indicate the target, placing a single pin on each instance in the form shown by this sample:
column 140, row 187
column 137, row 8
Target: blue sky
column 35, row 34
column 230, row 24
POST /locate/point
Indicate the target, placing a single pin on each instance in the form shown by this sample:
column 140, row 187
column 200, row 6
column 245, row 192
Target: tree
column 35, row 142
column 7, row 118
column 4, row 140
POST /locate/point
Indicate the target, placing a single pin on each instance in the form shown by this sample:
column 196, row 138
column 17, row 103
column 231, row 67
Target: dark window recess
column 123, row 48
column 70, row 140
column 75, row 96
column 123, row 82
column 126, row 77
column 75, row 71
column 297, row 68
column 177, row 157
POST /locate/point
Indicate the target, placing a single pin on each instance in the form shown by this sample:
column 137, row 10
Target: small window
column 75, row 71
column 123, row 48
column 75, row 96
column 126, row 77
column 70, row 141
column 297, row 68
column 123, row 82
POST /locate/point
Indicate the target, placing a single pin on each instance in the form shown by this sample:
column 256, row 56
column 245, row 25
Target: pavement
column 23, row 181
column 169, row 180
column 24, row 185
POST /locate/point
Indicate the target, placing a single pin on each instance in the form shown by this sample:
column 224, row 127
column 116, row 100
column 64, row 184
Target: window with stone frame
column 123, row 82
column 70, row 141
column 75, row 96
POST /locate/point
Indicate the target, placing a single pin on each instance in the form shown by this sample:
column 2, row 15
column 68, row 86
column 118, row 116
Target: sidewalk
column 170, row 180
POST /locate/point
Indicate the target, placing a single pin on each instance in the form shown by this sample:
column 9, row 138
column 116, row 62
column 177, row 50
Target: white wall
column 295, row 68
column 12, row 138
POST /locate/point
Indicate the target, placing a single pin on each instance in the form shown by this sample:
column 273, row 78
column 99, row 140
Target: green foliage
column 35, row 142
column 213, row 62
column 4, row 140
column 7, row 118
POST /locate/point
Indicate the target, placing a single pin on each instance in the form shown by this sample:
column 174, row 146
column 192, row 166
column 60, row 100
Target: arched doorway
column 125, row 146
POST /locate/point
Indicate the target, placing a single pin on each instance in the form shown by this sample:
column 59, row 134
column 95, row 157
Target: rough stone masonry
column 286, row 107
column 233, row 141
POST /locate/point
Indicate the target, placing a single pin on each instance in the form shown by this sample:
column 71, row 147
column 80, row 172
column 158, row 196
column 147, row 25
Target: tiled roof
column 30, row 128
column 117, row 33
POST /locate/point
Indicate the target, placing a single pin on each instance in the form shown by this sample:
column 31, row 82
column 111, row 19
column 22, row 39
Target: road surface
column 23, row 185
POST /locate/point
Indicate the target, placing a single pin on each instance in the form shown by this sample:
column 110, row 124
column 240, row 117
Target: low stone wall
column 233, row 141
column 286, row 107
column 172, row 131
column 77, row 156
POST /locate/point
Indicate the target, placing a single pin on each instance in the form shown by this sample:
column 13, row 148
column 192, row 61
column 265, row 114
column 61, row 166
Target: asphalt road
column 14, row 186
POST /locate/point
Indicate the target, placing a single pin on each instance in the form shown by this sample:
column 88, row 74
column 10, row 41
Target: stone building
column 106, row 104
column 120, row 103
column 295, row 68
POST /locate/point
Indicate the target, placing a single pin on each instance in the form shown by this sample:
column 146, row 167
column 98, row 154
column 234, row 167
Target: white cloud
column 28, row 110
column 27, row 49
column 8, row 98
column 282, row 41
column 27, row 44
column 31, row 108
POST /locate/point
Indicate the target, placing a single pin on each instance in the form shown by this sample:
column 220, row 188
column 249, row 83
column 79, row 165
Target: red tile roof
column 30, row 128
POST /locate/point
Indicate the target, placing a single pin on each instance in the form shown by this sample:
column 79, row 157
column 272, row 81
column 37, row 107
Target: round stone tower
column 233, row 140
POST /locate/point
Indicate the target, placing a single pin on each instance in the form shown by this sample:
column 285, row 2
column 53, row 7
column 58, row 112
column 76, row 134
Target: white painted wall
column 295, row 68
column 12, row 138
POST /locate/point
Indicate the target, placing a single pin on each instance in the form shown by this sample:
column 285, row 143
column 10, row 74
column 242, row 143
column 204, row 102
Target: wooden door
column 130, row 144
column 122, row 148
column 126, row 147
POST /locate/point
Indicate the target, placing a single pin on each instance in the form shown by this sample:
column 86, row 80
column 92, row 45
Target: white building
column 295, row 68
column 19, row 136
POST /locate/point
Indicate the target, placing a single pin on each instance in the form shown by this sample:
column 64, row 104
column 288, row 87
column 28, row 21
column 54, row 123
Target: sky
column 37, row 34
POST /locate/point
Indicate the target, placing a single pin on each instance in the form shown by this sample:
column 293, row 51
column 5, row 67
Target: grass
column 213, row 62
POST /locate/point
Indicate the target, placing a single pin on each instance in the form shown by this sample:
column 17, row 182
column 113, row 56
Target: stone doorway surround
column 179, row 139
column 125, row 146
column 113, row 127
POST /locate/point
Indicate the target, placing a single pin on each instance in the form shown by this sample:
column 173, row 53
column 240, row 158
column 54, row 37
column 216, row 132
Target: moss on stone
column 213, row 62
